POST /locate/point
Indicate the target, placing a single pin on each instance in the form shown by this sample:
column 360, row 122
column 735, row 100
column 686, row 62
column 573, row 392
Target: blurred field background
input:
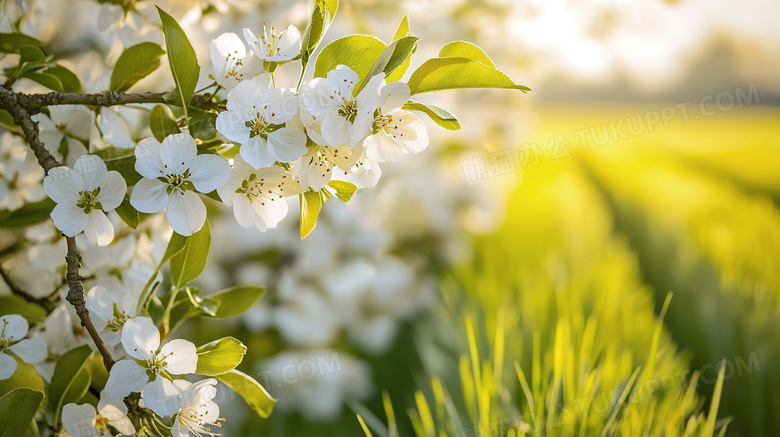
column 558, row 286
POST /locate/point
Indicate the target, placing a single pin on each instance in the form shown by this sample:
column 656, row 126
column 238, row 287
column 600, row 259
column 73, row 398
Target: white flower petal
column 161, row 397
column 100, row 306
column 99, row 229
column 63, row 185
column 31, row 350
column 69, row 218
column 186, row 213
column 243, row 210
column 114, row 128
column 91, row 168
column 233, row 126
column 112, row 190
column 287, row 144
column 255, row 153
column 149, row 196
column 271, row 211
column 80, row 420
column 177, row 152
column 209, row 172
column 147, row 159
column 335, row 129
column 140, row 338
column 13, row 327
column 126, row 377
column 345, row 79
column 7, row 366
column 180, row 356
column 114, row 410
column 393, row 96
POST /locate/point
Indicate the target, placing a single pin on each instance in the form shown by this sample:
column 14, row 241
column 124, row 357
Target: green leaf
column 70, row 380
column 234, row 301
column 70, row 82
column 128, row 214
column 329, row 6
column 191, row 260
column 13, row 42
column 253, row 393
column 122, row 161
column 162, row 123
column 28, row 215
column 13, row 304
column 182, row 59
column 465, row 49
column 311, row 204
column 6, row 118
column 452, row 73
column 203, row 125
column 392, row 57
column 344, row 190
column 358, row 52
column 31, row 54
column 17, row 410
column 313, row 34
column 440, row 116
column 220, row 356
column 175, row 246
column 134, row 64
column 47, row 80
column 403, row 28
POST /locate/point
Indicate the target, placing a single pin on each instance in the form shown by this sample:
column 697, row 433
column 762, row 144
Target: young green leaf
column 162, row 123
column 440, row 116
column 344, row 190
column 403, row 30
column 13, row 304
column 452, row 73
column 128, row 214
column 311, row 204
column 12, row 42
column 17, row 410
column 28, row 215
column 175, row 246
column 220, row 356
column 122, row 160
column 203, row 125
column 191, row 260
column 392, row 57
column 253, row 393
column 358, row 52
column 47, row 80
column 134, row 64
column 71, row 379
column 57, row 78
column 6, row 118
column 31, row 55
column 234, row 301
column 465, row 49
column 182, row 59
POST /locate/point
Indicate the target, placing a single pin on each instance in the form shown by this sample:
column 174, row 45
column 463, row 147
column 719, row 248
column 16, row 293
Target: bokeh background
column 582, row 260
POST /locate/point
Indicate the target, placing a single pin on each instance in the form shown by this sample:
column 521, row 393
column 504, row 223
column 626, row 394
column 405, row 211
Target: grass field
column 565, row 322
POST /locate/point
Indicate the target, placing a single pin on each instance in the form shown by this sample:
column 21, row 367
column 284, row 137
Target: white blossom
column 109, row 311
column 273, row 47
column 84, row 421
column 256, row 118
column 346, row 119
column 83, row 195
column 257, row 196
column 230, row 60
column 198, row 411
column 172, row 173
column 13, row 330
column 20, row 174
column 141, row 340
column 398, row 131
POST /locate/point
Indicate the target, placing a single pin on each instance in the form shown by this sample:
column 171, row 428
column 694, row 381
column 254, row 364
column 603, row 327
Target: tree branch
column 34, row 102
column 16, row 105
